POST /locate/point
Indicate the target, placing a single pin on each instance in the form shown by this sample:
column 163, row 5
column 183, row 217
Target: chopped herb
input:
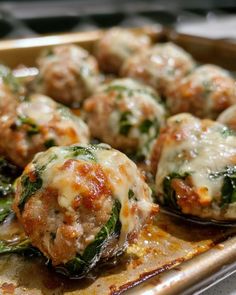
column 125, row 124
column 131, row 195
column 49, row 143
column 8, row 173
column 20, row 247
column 29, row 188
column 119, row 88
column 5, row 207
column 145, row 126
column 33, row 128
column 131, row 91
column 81, row 152
column 228, row 190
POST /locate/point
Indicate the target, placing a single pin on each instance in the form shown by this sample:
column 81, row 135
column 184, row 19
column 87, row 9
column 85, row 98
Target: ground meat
column 161, row 66
column 205, row 93
column 66, row 195
column 36, row 124
column 194, row 162
column 125, row 114
column 116, row 45
column 68, row 74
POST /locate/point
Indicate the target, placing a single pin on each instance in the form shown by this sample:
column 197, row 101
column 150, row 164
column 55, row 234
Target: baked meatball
column 228, row 117
column 196, row 167
column 160, row 66
column 116, row 45
column 125, row 114
column 37, row 124
column 10, row 91
column 206, row 92
column 82, row 203
column 67, row 73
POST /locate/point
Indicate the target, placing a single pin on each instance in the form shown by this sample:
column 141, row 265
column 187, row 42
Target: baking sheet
column 165, row 245
column 169, row 244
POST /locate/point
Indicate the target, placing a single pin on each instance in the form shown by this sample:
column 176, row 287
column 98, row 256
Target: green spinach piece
column 33, row 128
column 124, row 122
column 49, row 143
column 19, row 247
column 169, row 193
column 8, row 173
column 145, row 126
column 131, row 195
column 228, row 190
column 5, row 207
column 29, row 188
column 81, row 152
column 81, row 264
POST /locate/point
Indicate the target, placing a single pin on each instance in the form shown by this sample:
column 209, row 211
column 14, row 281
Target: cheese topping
column 201, row 150
column 122, row 175
column 44, row 111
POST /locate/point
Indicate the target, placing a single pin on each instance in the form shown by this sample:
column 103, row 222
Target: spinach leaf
column 9, row 79
column 5, row 207
column 33, row 128
column 120, row 89
column 29, row 188
column 145, row 126
column 20, row 247
column 169, row 193
column 8, row 173
column 125, row 124
column 81, row 264
column 228, row 190
column 49, row 143
column 131, row 91
column 82, row 152
column 131, row 195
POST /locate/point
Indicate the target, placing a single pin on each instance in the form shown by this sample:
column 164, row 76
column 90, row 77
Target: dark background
column 30, row 18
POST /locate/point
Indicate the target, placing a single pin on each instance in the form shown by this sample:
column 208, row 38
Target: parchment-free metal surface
column 160, row 247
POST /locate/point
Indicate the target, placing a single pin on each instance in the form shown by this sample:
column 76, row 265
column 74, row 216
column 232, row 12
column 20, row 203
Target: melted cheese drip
column 200, row 153
column 122, row 175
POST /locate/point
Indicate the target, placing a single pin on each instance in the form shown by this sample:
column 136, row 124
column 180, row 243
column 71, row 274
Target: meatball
column 116, row 45
column 36, row 124
column 68, row 74
column 196, row 167
column 125, row 114
column 160, row 66
column 228, row 117
column 205, row 93
column 10, row 91
column 82, row 203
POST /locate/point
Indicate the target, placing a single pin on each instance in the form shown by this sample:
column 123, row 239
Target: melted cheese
column 122, row 175
column 200, row 153
column 43, row 110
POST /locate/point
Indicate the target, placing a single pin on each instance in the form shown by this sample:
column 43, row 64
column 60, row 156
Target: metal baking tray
column 173, row 256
